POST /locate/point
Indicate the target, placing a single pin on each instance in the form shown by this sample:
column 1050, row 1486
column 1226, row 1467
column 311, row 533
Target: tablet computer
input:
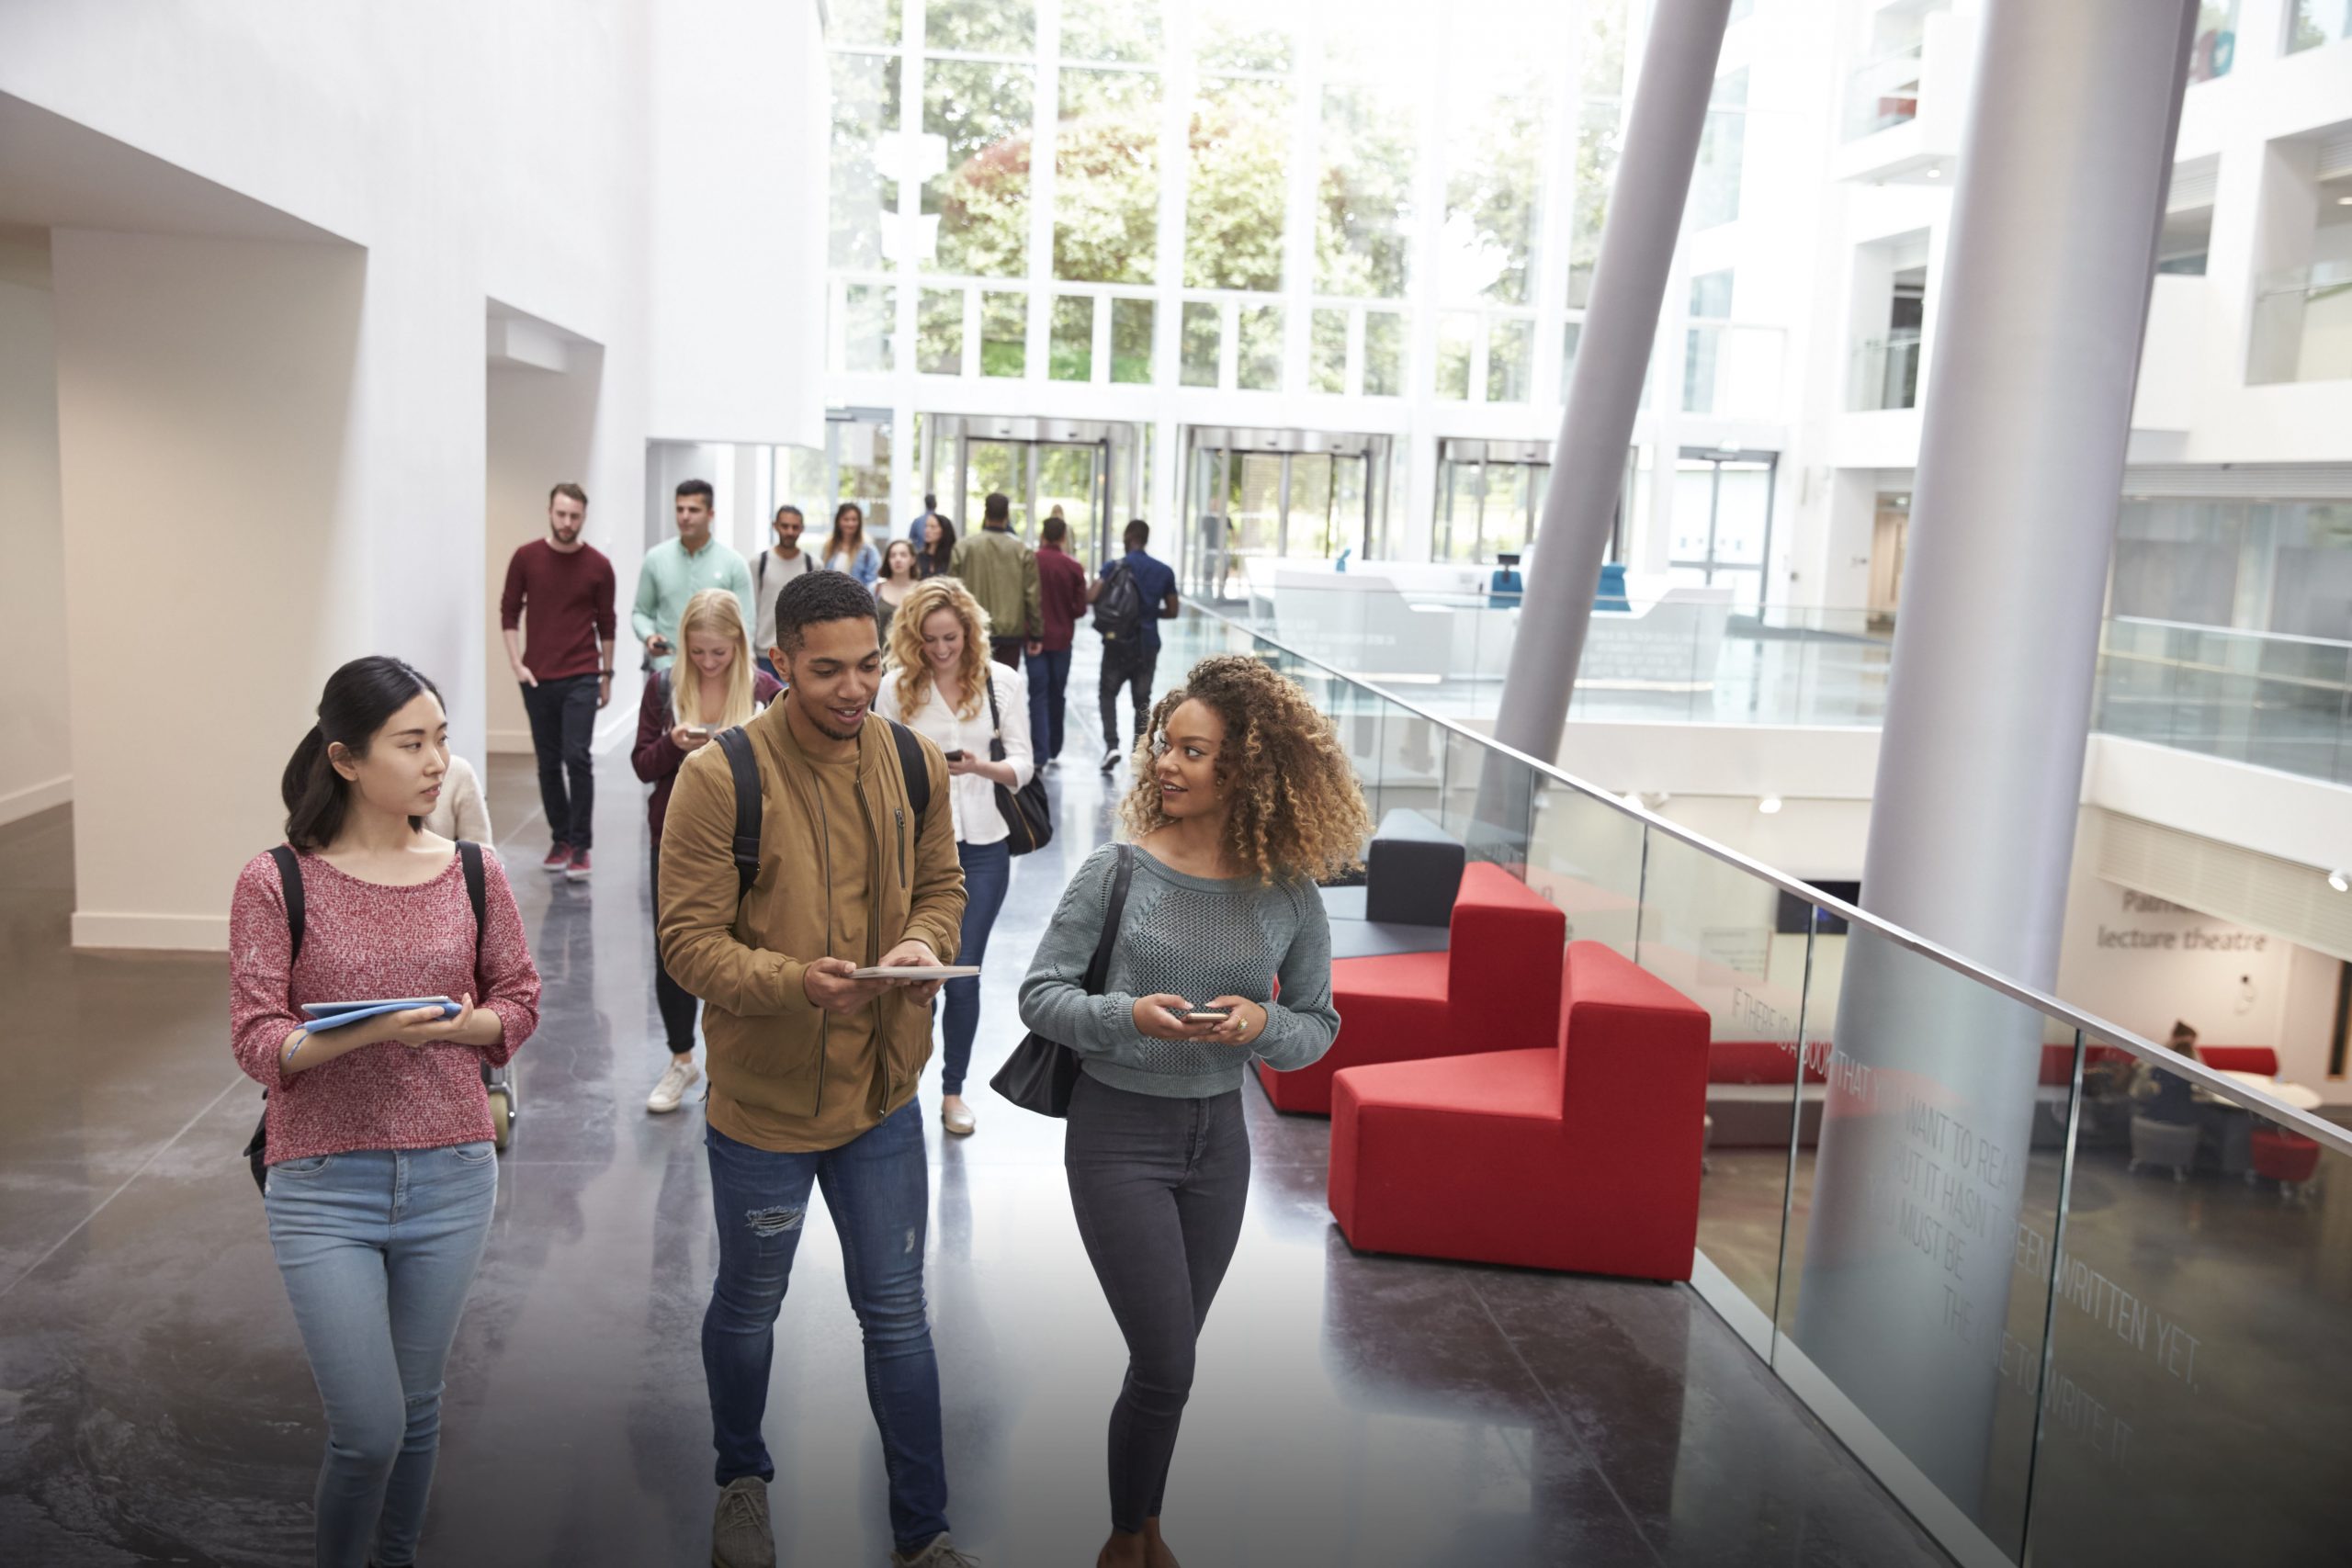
column 925, row 972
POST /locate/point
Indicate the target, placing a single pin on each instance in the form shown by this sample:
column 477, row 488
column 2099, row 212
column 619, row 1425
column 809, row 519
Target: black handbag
column 1028, row 815
column 1040, row 1073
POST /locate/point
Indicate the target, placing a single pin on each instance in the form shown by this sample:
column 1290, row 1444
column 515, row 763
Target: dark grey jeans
column 1159, row 1187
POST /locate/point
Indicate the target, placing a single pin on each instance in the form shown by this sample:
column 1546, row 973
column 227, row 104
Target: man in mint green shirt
column 676, row 569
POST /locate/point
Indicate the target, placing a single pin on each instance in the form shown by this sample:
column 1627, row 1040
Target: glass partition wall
column 2074, row 1299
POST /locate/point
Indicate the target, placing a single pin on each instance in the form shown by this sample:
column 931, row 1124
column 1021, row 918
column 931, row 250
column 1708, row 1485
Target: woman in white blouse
column 943, row 684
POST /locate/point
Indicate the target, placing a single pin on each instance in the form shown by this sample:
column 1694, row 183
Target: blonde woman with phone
column 942, row 684
column 714, row 685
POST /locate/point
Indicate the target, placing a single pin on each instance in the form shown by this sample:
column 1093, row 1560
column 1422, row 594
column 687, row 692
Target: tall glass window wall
column 1288, row 197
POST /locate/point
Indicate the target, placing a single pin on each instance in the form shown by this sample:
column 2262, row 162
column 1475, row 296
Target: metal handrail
column 2091, row 1025
column 2228, row 631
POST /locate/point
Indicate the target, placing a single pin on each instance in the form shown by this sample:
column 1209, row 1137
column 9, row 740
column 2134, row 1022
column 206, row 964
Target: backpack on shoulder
column 495, row 1079
column 745, row 769
column 1118, row 605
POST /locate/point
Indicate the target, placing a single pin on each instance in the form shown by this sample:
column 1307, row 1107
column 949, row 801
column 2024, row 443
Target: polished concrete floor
column 154, row 1405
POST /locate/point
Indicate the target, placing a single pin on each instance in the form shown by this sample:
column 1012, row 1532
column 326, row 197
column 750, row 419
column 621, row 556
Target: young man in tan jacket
column 812, row 1072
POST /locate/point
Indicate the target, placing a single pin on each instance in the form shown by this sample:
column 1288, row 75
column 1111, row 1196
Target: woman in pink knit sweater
column 382, row 1172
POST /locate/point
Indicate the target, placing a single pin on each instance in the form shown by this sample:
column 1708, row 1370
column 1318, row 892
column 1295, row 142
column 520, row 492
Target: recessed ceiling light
column 2340, row 880
column 1769, row 806
column 1935, row 173
column 2344, row 201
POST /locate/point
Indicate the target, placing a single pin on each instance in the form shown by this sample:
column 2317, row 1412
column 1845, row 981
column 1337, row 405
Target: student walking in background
column 1247, row 802
column 942, row 686
column 938, row 557
column 676, row 569
column 1134, row 594
column 461, row 812
column 897, row 581
column 847, row 549
column 1061, row 599
column 776, row 566
column 381, row 1163
column 1001, row 572
column 560, row 589
column 716, row 687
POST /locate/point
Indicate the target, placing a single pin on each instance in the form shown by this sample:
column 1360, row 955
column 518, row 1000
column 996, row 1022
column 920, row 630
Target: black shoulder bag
column 289, row 880
column 1040, row 1073
column 1028, row 815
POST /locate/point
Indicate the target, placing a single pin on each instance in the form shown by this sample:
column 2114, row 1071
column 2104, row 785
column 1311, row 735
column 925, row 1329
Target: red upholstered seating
column 1489, row 990
column 1583, row 1156
column 2240, row 1059
column 2281, row 1155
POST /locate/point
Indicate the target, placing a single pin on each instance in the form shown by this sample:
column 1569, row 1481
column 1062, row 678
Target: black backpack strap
column 914, row 770
column 289, row 879
column 746, row 769
column 469, row 857
column 1098, row 972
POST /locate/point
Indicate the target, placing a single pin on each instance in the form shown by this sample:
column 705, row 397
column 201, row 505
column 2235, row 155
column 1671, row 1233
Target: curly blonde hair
column 931, row 596
column 1296, row 809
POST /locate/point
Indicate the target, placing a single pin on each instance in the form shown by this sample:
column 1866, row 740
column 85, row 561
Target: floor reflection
column 1350, row 1410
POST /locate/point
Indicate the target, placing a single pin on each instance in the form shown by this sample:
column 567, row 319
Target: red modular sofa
column 1581, row 1156
column 1491, row 989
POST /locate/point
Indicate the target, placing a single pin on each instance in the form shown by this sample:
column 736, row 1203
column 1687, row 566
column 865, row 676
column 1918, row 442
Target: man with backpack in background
column 814, row 842
column 1134, row 594
column 1061, row 588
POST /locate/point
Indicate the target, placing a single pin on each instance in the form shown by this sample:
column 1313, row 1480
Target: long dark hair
column 932, row 560
column 846, row 509
column 359, row 699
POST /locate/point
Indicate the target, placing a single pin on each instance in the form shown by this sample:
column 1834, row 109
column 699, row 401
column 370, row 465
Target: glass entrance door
column 1723, row 521
column 1489, row 496
column 1091, row 471
column 1268, row 495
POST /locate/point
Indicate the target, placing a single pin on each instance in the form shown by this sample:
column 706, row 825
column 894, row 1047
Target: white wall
column 204, row 406
column 328, row 403
column 35, row 761
column 2141, row 962
column 740, row 87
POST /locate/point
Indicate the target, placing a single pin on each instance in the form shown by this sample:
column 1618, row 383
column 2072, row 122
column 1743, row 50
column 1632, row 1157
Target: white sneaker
column 672, row 1086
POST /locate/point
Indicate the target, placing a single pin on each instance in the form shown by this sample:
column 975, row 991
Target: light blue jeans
column 378, row 1248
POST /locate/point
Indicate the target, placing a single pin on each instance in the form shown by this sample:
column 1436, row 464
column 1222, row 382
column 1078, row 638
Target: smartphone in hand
column 1207, row 1015
column 955, row 756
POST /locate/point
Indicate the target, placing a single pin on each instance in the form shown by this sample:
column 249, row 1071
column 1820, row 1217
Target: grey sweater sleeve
column 1053, row 1000
column 1302, row 1023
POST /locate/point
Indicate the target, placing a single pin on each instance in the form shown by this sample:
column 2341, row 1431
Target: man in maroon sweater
column 1061, row 587
column 565, row 667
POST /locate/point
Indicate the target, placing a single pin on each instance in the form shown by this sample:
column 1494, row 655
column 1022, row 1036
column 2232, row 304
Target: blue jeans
column 378, row 1248
column 1048, row 697
column 877, row 1186
column 986, row 869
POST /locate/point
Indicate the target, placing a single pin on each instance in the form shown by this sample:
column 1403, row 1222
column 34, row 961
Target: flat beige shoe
column 957, row 1118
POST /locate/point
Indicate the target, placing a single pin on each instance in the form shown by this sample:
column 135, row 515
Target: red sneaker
column 578, row 870
column 559, row 857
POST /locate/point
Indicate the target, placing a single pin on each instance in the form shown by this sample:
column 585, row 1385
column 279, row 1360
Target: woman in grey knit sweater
column 1242, row 801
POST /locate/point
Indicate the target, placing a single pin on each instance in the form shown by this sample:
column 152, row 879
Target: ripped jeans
column 877, row 1189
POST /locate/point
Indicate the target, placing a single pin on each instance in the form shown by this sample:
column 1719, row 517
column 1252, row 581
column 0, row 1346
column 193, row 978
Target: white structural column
column 1612, row 355
column 2062, row 184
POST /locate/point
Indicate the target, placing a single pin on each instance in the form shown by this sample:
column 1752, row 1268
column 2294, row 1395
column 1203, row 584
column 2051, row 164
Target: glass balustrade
column 2073, row 1298
column 1696, row 656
